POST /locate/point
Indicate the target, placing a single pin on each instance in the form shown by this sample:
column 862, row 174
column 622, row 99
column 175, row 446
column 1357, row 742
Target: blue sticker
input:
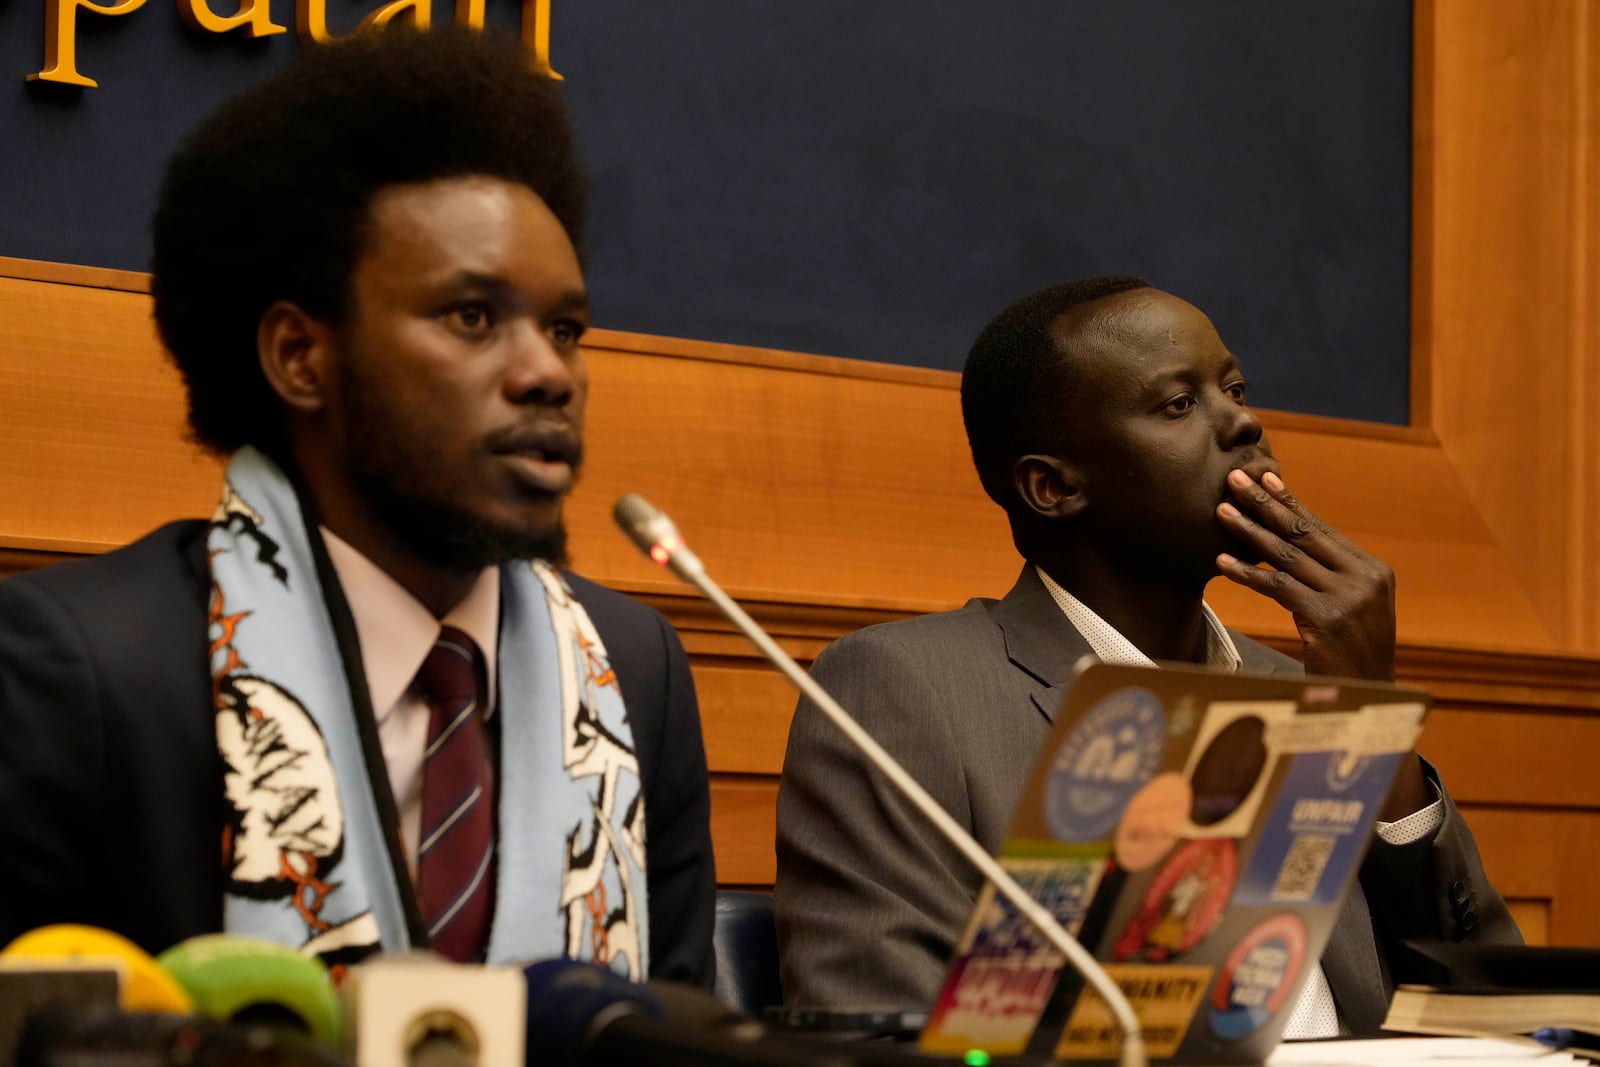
column 1345, row 769
column 1257, row 977
column 1312, row 840
column 1108, row 758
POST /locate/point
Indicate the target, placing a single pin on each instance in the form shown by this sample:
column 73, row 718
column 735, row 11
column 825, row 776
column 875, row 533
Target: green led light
column 976, row 1057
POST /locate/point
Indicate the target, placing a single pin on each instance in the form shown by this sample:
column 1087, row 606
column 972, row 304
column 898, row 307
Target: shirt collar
column 395, row 630
column 1109, row 644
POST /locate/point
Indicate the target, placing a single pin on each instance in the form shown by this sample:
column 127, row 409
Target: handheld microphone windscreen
column 144, row 985
column 570, row 1002
column 251, row 980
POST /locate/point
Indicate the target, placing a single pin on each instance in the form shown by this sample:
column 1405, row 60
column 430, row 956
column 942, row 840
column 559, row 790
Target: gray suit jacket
column 870, row 899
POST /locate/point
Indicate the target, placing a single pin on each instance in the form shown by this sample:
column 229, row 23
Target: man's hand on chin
column 1342, row 599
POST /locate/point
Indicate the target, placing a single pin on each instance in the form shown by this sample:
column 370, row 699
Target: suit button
column 1469, row 922
column 1458, row 891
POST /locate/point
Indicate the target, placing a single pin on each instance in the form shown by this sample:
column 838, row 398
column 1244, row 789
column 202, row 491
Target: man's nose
column 1238, row 425
column 537, row 372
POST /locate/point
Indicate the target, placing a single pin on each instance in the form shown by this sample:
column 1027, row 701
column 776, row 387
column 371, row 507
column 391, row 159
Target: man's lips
column 1255, row 468
column 546, row 456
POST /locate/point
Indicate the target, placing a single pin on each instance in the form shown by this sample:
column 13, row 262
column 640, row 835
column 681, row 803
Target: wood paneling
column 830, row 494
column 742, row 825
column 1507, row 246
column 91, row 420
column 1546, row 860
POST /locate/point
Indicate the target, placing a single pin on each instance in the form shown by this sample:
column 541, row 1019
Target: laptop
column 1197, row 832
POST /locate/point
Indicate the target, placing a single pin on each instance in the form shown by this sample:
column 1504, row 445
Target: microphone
column 95, row 1037
column 80, row 996
column 418, row 1010
column 658, row 538
column 569, row 1004
column 73, row 966
column 254, row 981
column 582, row 1015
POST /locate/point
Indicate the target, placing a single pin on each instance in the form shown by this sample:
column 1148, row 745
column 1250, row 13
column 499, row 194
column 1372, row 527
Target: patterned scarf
column 312, row 850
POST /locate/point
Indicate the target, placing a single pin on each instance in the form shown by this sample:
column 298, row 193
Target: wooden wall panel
column 831, row 494
column 91, row 420
column 1546, row 861
column 1507, row 236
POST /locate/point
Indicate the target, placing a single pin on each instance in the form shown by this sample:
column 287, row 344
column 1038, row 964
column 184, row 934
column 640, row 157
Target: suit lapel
column 1354, row 967
column 1039, row 640
column 1254, row 656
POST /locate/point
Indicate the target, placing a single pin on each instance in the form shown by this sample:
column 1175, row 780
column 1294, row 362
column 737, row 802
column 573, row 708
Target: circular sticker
column 1226, row 772
column 1344, row 768
column 1257, row 977
column 1108, row 758
column 1184, row 902
column 1151, row 823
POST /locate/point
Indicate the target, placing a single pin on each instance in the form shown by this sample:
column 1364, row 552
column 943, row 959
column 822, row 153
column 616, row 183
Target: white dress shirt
column 1315, row 1014
column 396, row 634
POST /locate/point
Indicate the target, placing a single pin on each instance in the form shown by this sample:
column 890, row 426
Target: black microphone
column 72, row 1036
column 581, row 1015
column 76, row 966
column 25, row 994
column 571, row 1003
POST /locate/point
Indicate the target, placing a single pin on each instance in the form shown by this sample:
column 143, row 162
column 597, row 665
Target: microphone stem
column 1133, row 1041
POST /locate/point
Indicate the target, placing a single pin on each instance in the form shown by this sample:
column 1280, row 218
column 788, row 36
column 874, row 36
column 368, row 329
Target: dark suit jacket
column 111, row 802
column 870, row 899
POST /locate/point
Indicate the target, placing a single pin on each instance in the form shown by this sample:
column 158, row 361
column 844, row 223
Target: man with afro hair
column 364, row 707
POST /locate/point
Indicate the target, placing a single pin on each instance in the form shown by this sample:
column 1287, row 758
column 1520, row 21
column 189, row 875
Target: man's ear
column 296, row 352
column 1048, row 486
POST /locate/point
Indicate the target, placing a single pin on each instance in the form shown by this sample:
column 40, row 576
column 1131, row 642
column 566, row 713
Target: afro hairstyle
column 268, row 198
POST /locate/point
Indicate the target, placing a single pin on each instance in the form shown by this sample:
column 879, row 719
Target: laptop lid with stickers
column 1198, row 833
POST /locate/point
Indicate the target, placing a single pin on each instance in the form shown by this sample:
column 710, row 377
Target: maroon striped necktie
column 455, row 853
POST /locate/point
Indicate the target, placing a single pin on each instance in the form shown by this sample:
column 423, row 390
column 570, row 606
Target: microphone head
column 657, row 536
column 569, row 1002
column 248, row 979
column 645, row 525
column 144, row 986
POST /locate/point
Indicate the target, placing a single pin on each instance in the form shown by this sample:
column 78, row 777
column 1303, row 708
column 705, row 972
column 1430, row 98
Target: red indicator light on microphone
column 660, row 554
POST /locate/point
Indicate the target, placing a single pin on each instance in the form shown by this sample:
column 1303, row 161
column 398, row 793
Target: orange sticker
column 1150, row 825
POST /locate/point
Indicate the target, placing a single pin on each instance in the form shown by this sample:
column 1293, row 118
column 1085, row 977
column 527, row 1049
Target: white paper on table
column 1433, row 1051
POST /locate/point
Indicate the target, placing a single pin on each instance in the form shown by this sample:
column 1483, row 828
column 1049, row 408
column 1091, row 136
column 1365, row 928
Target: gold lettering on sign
column 535, row 29
column 61, row 39
column 253, row 16
column 536, row 35
column 420, row 11
column 311, row 17
column 311, row 21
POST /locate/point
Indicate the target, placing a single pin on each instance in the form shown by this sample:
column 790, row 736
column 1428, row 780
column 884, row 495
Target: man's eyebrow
column 569, row 301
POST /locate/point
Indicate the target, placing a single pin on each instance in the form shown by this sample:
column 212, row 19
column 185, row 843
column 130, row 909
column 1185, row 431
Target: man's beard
column 389, row 462
column 439, row 532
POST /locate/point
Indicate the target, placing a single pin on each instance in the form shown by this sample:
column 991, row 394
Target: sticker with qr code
column 1314, row 838
column 1302, row 867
